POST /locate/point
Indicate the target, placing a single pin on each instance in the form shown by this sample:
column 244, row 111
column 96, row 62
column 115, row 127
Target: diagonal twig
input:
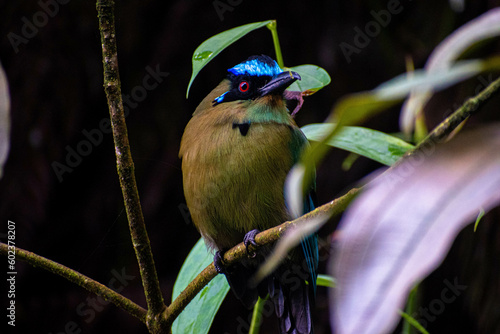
column 80, row 279
column 470, row 107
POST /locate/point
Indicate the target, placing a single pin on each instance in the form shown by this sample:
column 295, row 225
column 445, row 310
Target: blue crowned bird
column 236, row 152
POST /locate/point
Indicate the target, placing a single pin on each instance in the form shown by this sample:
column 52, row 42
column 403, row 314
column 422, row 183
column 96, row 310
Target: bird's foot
column 219, row 262
column 250, row 244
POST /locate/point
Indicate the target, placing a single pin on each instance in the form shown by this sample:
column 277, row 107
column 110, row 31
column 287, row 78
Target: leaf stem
column 273, row 26
column 257, row 316
column 411, row 305
column 413, row 322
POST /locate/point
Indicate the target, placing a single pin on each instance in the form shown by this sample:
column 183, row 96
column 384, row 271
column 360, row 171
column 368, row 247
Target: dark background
column 55, row 79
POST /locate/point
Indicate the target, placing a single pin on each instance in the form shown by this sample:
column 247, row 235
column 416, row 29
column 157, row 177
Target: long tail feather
column 290, row 295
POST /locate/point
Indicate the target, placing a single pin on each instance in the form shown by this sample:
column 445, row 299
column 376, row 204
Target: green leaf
column 313, row 78
column 210, row 48
column 369, row 143
column 413, row 322
column 197, row 317
column 257, row 315
column 326, row 280
column 411, row 306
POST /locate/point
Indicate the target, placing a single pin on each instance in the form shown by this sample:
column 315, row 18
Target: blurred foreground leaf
column 402, row 226
column 4, row 119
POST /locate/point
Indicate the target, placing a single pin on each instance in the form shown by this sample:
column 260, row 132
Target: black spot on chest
column 243, row 127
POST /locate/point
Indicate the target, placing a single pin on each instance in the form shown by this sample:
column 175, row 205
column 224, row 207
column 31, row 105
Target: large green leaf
column 313, row 78
column 369, row 143
column 215, row 44
column 197, row 317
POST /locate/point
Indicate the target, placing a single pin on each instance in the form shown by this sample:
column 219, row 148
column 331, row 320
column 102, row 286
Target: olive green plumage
column 230, row 180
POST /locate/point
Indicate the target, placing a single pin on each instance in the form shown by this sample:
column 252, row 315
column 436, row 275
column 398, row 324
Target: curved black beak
column 279, row 83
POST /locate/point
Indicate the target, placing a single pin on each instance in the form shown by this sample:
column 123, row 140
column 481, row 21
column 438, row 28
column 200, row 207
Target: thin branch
column 124, row 163
column 470, row 107
column 238, row 252
column 80, row 279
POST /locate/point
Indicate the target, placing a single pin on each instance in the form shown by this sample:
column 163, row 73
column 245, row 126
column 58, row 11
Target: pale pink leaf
column 402, row 226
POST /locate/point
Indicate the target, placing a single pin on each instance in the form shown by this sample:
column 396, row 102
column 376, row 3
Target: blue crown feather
column 257, row 67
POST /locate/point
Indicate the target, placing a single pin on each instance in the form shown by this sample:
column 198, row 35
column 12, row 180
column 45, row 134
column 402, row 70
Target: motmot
column 236, row 152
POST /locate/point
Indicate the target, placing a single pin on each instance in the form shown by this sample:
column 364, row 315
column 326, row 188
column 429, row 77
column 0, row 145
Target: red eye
column 244, row 86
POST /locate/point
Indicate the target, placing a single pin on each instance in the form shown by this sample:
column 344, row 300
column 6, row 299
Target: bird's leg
column 249, row 241
column 219, row 262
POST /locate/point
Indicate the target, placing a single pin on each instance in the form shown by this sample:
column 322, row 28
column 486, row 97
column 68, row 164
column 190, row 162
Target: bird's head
column 256, row 77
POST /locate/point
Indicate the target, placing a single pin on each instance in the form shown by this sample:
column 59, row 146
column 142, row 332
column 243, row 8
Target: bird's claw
column 249, row 242
column 219, row 262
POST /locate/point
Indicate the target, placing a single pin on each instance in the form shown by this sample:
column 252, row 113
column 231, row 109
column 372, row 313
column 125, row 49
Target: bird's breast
column 233, row 175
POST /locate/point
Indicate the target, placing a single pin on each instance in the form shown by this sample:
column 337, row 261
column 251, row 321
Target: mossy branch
column 78, row 278
column 124, row 163
column 470, row 107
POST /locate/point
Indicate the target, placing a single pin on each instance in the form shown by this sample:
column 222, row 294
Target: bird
column 236, row 152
